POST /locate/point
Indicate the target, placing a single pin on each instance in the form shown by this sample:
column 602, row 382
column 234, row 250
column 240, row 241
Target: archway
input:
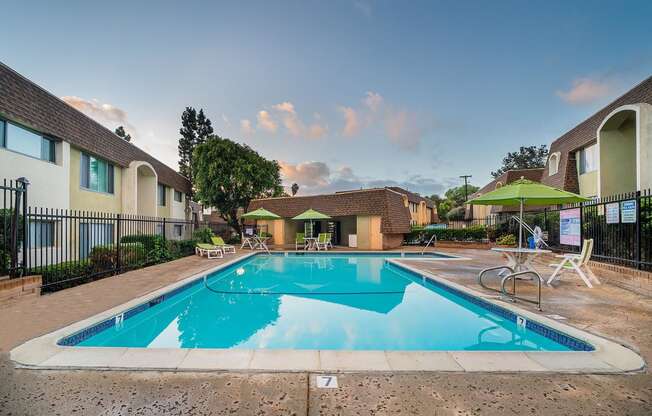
column 618, row 158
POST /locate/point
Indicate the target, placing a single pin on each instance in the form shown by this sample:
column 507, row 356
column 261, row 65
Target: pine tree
column 195, row 129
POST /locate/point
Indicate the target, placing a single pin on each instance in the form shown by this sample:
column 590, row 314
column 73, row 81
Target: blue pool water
column 312, row 301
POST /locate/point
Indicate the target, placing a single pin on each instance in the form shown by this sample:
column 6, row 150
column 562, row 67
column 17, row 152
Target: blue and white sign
column 613, row 213
column 628, row 211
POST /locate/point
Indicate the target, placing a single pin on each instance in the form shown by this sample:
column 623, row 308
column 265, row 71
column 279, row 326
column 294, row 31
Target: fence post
column 639, row 264
column 164, row 238
column 581, row 225
column 118, row 262
column 25, row 182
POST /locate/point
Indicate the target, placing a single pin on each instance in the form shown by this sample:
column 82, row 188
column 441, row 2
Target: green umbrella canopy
column 260, row 214
column 529, row 193
column 311, row 214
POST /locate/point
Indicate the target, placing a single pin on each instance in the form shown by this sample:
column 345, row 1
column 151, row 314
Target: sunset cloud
column 246, row 128
column 373, row 101
column 318, row 178
column 294, row 125
column 104, row 113
column 351, row 123
column 266, row 122
column 586, row 91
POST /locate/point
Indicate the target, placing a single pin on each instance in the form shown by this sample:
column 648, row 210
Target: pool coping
column 43, row 352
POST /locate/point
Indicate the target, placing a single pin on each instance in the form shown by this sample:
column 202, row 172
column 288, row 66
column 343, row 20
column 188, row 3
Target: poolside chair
column 300, row 239
column 330, row 240
column 578, row 263
column 211, row 251
column 226, row 248
column 322, row 241
column 247, row 240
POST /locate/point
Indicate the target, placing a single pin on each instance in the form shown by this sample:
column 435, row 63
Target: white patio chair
column 247, row 240
column 578, row 263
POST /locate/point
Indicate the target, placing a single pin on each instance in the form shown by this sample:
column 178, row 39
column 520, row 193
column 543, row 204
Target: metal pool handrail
column 513, row 275
column 434, row 237
column 513, row 294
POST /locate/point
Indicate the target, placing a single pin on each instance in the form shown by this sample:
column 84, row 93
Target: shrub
column 104, row 257
column 64, row 273
column 473, row 233
column 147, row 240
column 203, row 235
column 506, row 240
column 181, row 248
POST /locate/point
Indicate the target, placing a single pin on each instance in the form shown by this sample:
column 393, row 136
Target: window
column 93, row 234
column 41, row 234
column 161, row 195
column 553, row 164
column 96, row 174
column 588, row 159
column 26, row 142
column 178, row 196
column 178, row 230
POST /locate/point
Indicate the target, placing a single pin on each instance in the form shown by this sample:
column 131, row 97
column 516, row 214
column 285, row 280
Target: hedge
column 473, row 233
column 104, row 257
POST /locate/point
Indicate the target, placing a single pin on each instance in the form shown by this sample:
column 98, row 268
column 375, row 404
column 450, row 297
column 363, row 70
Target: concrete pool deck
column 606, row 310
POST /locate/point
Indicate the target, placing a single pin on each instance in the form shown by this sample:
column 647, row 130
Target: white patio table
column 520, row 259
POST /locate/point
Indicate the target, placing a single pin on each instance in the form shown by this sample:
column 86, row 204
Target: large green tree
column 457, row 194
column 195, row 130
column 228, row 175
column 527, row 157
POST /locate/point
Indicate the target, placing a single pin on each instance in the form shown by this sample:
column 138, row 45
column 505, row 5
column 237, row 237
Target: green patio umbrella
column 260, row 214
column 311, row 215
column 526, row 192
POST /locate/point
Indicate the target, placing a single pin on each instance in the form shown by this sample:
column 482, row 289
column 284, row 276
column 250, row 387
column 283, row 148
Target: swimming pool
column 333, row 301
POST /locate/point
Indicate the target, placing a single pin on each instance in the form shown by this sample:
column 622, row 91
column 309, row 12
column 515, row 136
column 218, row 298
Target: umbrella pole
column 520, row 227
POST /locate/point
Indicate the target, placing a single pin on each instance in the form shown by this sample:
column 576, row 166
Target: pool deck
column 607, row 311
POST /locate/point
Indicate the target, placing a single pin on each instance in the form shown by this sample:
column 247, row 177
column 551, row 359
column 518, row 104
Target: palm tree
column 295, row 188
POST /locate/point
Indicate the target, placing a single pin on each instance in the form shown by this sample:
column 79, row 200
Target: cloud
column 106, row 114
column 226, row 120
column 364, row 7
column 586, row 91
column 318, row 178
column 373, row 101
column 310, row 174
column 295, row 126
column 246, row 128
column 266, row 122
column 351, row 123
column 403, row 129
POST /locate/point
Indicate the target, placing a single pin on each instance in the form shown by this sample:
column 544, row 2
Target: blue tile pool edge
column 573, row 343
column 541, row 329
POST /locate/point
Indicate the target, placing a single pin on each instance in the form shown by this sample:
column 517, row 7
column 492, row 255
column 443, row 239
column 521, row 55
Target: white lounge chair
column 210, row 251
column 219, row 242
column 578, row 263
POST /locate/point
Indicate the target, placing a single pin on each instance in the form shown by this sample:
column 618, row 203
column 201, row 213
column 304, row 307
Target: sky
column 343, row 94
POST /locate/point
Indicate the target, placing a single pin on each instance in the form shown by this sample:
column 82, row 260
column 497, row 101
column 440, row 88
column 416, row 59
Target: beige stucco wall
column 177, row 209
column 87, row 200
column 626, row 152
column 49, row 182
column 139, row 183
column 618, row 160
column 588, row 184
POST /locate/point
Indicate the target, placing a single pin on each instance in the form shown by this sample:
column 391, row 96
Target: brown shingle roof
column 585, row 133
column 26, row 103
column 395, row 216
column 413, row 197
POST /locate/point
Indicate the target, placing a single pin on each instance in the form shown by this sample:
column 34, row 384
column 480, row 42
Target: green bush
column 147, row 240
column 104, row 257
column 506, row 240
column 64, row 273
column 473, row 233
column 6, row 219
column 203, row 235
column 181, row 248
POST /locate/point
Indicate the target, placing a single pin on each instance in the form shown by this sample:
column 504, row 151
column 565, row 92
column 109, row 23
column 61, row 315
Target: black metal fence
column 12, row 218
column 621, row 234
column 69, row 247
